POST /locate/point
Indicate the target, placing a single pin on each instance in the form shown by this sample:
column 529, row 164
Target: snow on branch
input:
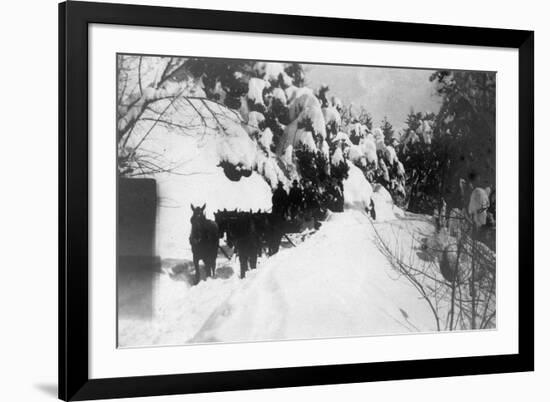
column 453, row 275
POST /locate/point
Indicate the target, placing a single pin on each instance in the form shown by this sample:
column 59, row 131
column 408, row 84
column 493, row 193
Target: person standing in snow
column 279, row 200
column 295, row 199
column 312, row 201
column 311, row 198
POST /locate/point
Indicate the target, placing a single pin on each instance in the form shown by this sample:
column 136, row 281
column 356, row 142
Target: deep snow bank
column 335, row 284
column 358, row 193
column 357, row 190
column 385, row 209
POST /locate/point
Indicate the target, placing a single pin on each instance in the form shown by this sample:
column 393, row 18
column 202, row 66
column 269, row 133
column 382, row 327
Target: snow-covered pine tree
column 296, row 72
column 413, row 120
column 224, row 80
column 387, row 130
column 365, row 118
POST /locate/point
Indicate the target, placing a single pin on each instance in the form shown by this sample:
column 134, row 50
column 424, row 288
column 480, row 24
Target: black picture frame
column 74, row 381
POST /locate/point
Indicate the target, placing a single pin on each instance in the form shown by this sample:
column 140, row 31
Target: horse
column 270, row 228
column 224, row 219
column 204, row 240
column 242, row 230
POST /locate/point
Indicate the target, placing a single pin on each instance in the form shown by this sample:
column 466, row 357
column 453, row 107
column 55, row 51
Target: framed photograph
column 257, row 201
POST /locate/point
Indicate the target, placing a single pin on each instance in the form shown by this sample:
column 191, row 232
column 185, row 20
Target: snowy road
column 336, row 283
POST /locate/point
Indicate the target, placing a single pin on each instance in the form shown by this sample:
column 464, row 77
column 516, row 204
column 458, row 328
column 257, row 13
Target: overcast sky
column 383, row 91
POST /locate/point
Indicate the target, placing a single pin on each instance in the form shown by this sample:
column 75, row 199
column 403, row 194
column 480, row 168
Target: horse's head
column 220, row 218
column 198, row 217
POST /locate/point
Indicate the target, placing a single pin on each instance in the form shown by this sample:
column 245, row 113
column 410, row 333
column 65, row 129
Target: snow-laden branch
column 151, row 79
column 149, row 96
column 456, row 280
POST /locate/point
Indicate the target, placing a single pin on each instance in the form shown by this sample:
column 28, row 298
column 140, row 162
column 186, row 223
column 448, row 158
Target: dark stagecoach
column 252, row 233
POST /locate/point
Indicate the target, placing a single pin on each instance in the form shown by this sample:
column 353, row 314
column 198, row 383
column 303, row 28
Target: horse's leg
column 242, row 260
column 206, row 267
column 213, row 266
column 197, row 270
column 253, row 259
column 270, row 247
column 270, row 243
column 278, row 240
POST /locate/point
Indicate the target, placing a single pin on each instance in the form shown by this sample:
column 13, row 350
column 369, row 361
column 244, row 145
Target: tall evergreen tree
column 230, row 74
column 387, row 130
column 413, row 120
column 296, row 72
column 466, row 124
column 365, row 118
column 463, row 142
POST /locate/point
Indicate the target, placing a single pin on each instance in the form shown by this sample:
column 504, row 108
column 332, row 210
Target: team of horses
column 249, row 233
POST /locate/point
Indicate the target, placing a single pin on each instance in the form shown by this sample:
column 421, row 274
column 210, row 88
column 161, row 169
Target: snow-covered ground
column 336, row 283
column 339, row 281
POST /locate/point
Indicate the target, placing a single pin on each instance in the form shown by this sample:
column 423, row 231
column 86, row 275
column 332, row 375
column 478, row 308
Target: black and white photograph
column 280, row 200
column 267, row 201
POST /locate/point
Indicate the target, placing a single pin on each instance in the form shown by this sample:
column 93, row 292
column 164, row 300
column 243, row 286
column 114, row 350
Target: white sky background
column 384, row 91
